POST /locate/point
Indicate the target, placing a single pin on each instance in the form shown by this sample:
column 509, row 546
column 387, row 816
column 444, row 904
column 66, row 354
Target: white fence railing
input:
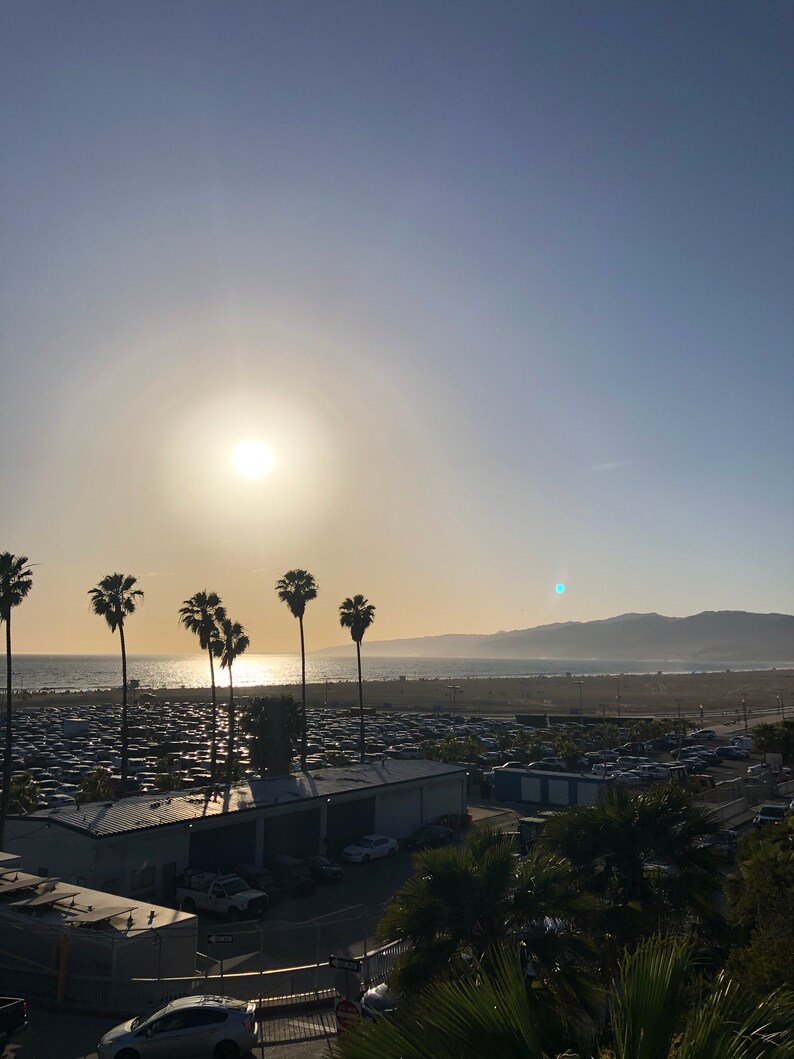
column 287, row 986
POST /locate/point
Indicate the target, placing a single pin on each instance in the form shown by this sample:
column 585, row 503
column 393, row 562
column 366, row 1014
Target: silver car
column 209, row 1026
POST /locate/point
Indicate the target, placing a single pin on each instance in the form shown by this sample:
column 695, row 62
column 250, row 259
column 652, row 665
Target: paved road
column 54, row 1036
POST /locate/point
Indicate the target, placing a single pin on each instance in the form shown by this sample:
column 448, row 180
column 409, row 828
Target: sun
column 252, row 459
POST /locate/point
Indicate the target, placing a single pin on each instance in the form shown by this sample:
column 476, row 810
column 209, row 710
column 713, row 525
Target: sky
column 505, row 288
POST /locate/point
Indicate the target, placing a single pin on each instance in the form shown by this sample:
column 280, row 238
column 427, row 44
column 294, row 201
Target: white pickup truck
column 226, row 895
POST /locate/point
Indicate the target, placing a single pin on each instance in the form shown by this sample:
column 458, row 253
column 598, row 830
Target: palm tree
column 297, row 588
column 115, row 599
column 642, row 856
column 25, row 794
column 463, row 902
column 651, row 1016
column 233, row 642
column 16, row 580
column 357, row 614
column 201, row 615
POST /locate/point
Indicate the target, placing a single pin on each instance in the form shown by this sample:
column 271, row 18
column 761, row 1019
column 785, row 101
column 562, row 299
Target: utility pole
column 580, row 683
column 744, row 712
column 680, row 726
column 454, row 688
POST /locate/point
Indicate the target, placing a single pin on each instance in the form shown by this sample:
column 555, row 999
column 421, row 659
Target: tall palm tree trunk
column 213, row 722
column 125, row 733
column 303, row 699
column 6, row 796
column 360, row 698
column 230, row 743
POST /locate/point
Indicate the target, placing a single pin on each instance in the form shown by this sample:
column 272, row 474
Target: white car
column 200, row 1025
column 368, row 848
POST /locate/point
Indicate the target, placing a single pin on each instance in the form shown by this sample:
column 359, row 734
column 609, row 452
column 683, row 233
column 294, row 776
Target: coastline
column 639, row 694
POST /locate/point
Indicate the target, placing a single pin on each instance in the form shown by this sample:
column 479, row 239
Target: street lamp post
column 454, row 688
column 580, row 683
column 744, row 713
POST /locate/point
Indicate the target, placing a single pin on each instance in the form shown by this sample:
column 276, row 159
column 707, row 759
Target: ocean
column 91, row 672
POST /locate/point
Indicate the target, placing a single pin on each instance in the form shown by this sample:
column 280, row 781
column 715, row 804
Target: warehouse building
column 138, row 846
column 64, row 942
column 544, row 788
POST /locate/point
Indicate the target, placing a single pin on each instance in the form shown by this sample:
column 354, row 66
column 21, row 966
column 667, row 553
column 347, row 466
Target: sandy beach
column 640, row 695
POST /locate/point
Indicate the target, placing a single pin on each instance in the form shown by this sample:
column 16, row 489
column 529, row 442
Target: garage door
column 530, row 789
column 212, row 848
column 559, row 792
column 296, row 834
column 398, row 813
column 348, row 821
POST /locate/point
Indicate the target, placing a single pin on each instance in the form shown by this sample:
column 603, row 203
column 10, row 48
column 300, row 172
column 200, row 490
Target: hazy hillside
column 714, row 636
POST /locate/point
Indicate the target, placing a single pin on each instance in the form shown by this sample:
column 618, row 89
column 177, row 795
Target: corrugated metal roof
column 134, row 814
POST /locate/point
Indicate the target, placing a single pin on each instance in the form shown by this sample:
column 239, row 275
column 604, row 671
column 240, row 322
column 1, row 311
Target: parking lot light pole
column 454, row 688
column 744, row 713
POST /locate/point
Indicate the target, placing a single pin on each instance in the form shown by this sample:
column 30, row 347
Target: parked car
column 226, row 895
column 13, row 1017
column 652, row 772
column 705, row 733
column 429, row 836
column 197, row 1025
column 292, row 875
column 725, row 841
column 324, row 870
column 771, row 813
column 731, row 753
column 369, row 847
column 259, row 878
column 629, row 779
column 379, row 1002
column 759, row 770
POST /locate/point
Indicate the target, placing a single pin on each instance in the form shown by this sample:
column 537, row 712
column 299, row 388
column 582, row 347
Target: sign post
column 342, row 963
column 348, row 1013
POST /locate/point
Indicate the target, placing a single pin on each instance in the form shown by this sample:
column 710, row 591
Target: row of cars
column 639, row 763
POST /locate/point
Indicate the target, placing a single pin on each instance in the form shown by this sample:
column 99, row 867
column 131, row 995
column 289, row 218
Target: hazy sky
column 505, row 287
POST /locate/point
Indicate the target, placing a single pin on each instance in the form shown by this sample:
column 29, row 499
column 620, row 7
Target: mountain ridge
column 717, row 636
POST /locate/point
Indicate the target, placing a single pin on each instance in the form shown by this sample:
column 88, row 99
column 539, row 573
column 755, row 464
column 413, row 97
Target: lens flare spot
column 559, row 589
column 252, row 459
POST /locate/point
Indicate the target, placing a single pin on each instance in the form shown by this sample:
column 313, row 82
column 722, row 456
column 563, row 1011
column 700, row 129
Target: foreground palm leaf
column 458, row 1020
column 640, row 854
column 463, row 902
column 496, row 1016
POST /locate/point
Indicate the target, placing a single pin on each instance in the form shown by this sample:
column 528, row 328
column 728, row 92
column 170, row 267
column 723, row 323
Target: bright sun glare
column 252, row 459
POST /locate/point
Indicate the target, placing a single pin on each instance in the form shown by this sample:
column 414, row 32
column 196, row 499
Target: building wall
column 443, row 796
column 47, row 849
column 136, row 863
column 545, row 788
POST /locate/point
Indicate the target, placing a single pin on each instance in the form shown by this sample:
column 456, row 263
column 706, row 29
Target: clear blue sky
column 505, row 287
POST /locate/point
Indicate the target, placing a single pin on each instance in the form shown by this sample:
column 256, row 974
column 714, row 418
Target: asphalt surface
column 50, row 1035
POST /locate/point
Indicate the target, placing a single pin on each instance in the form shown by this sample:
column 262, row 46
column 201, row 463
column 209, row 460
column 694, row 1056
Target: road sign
column 220, row 939
column 347, row 1014
column 341, row 963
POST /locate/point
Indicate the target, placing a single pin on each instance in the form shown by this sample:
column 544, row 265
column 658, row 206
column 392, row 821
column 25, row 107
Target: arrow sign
column 220, row 939
column 341, row 963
